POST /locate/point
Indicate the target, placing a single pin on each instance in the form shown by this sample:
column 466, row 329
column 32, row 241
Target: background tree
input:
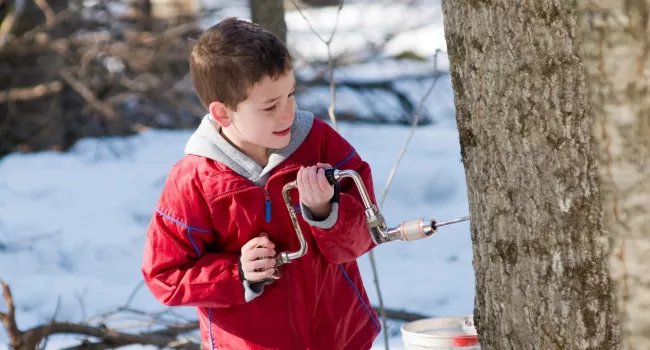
column 270, row 15
column 525, row 131
column 615, row 55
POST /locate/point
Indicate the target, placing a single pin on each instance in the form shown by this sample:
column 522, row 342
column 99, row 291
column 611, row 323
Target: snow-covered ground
column 72, row 226
column 86, row 212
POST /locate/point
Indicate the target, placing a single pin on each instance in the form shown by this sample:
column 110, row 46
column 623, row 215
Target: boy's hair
column 232, row 56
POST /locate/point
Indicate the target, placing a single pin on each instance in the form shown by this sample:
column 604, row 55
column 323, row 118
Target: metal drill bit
column 449, row 222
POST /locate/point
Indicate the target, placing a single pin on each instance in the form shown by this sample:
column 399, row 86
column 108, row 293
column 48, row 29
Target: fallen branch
column 31, row 338
column 9, row 319
column 402, row 315
column 9, row 21
column 30, row 93
column 47, row 12
column 87, row 95
column 166, row 337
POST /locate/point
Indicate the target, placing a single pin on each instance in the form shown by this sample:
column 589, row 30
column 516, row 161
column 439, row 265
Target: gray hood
column 207, row 142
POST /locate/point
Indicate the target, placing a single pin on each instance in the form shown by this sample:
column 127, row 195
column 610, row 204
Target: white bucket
column 441, row 333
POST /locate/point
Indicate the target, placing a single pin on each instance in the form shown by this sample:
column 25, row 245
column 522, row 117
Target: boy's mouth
column 282, row 132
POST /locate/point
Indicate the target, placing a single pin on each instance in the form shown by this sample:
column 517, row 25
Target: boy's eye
column 275, row 105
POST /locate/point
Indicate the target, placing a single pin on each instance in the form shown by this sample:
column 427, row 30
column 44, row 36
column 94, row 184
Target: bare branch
column 330, row 60
column 133, row 293
column 30, row 339
column 82, row 306
column 47, row 11
column 9, row 318
column 88, row 95
column 168, row 336
column 35, row 335
column 58, row 18
column 9, row 21
column 382, row 309
column 56, row 311
column 401, row 315
column 30, row 93
column 416, row 119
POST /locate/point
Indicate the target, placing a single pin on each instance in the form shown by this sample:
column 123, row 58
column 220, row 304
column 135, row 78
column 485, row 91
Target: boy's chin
column 279, row 142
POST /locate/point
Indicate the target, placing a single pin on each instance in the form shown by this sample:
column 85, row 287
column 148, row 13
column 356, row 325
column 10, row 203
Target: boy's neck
column 258, row 154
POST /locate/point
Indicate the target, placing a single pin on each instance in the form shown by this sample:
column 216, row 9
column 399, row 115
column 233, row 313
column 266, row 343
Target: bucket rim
column 457, row 332
column 411, row 328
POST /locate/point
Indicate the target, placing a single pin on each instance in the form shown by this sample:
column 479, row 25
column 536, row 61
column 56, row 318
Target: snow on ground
column 72, row 226
column 87, row 212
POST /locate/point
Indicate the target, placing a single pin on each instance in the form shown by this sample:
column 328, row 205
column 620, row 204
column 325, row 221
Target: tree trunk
column 616, row 57
column 270, row 15
column 536, row 222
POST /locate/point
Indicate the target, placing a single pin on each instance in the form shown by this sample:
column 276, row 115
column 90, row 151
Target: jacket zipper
column 267, row 204
column 267, row 196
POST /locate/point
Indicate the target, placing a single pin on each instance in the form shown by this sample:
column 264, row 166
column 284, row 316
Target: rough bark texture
column 536, row 222
column 270, row 15
column 616, row 49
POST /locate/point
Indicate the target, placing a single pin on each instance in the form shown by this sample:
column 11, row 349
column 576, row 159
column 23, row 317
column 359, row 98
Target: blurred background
column 96, row 104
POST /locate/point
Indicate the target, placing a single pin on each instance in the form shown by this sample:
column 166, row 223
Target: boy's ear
column 219, row 113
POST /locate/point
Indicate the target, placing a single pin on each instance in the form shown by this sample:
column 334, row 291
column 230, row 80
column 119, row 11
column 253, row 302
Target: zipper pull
column 267, row 205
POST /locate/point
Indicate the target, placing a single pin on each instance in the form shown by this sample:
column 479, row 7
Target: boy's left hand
column 315, row 191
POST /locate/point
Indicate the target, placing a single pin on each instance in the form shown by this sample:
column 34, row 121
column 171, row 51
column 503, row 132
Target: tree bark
column 525, row 132
column 270, row 15
column 616, row 51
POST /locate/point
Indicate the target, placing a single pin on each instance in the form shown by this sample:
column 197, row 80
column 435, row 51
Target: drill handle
column 330, row 175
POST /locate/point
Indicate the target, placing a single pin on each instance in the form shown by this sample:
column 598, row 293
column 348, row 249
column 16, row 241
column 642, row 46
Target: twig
column 109, row 338
column 330, row 60
column 88, row 95
column 82, row 306
column 414, row 124
column 29, row 340
column 58, row 18
column 9, row 319
column 133, row 293
column 402, row 315
column 332, row 116
column 9, row 21
column 56, row 311
column 47, row 11
column 391, row 175
column 30, row 93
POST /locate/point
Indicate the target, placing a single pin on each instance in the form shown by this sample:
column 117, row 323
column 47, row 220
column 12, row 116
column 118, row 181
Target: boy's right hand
column 258, row 258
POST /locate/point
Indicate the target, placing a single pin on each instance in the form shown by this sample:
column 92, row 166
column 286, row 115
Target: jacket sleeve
column 177, row 268
column 344, row 235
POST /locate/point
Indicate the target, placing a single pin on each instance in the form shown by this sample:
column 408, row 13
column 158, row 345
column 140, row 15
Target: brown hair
column 232, row 56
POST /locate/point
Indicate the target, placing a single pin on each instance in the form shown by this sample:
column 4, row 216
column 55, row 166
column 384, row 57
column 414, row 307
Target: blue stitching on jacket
column 188, row 227
column 354, row 151
column 198, row 252
column 359, row 297
column 210, row 328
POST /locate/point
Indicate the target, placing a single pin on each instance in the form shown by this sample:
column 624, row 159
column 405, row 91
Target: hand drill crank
column 379, row 231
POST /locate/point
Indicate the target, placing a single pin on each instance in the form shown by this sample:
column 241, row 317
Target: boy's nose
column 289, row 111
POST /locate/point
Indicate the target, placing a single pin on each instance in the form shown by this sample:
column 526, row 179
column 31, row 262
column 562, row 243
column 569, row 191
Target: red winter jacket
column 208, row 210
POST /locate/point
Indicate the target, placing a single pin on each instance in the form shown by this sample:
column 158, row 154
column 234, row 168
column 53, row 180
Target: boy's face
column 264, row 119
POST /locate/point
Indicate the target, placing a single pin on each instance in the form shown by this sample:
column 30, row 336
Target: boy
column 221, row 216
